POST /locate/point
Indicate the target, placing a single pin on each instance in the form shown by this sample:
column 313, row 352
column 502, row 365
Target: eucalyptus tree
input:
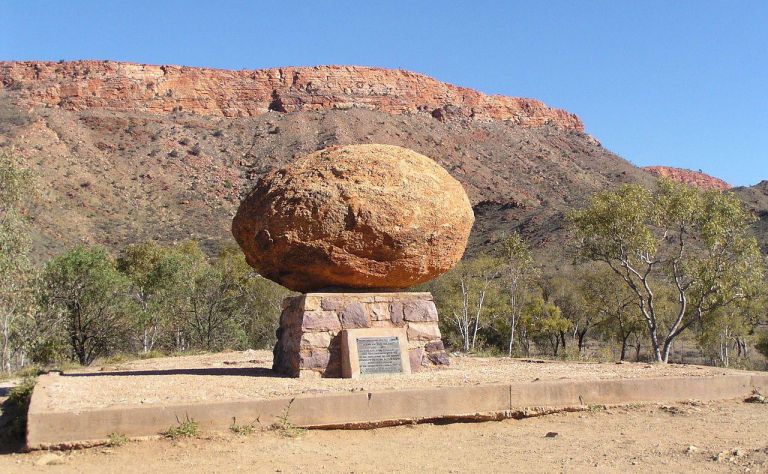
column 695, row 244
column 16, row 271
column 161, row 281
column 518, row 270
column 469, row 296
column 610, row 307
column 543, row 322
column 83, row 290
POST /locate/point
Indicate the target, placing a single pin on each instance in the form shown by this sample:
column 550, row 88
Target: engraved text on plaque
column 379, row 355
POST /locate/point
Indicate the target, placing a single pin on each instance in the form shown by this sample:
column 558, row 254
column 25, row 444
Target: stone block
column 379, row 311
column 415, row 356
column 317, row 339
column 434, row 346
column 291, row 317
column 414, row 344
column 290, row 339
column 423, row 331
column 321, row 321
column 332, row 304
column 354, row 316
column 419, row 311
column 314, row 359
column 439, row 358
column 396, row 313
column 311, row 303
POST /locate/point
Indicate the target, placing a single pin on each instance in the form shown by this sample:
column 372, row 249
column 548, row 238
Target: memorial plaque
column 374, row 351
column 379, row 355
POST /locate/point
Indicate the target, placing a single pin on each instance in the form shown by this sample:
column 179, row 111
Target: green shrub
column 243, row 430
column 762, row 344
column 284, row 427
column 187, row 428
column 117, row 439
column 152, row 355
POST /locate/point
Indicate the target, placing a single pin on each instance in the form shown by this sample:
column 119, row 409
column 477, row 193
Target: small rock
column 691, row 449
column 50, row 459
column 439, row 358
column 756, row 398
column 551, row 434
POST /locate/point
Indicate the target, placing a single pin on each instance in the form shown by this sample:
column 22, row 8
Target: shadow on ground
column 214, row 371
column 13, row 418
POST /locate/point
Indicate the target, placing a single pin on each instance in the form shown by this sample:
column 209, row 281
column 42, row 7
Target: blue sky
column 678, row 83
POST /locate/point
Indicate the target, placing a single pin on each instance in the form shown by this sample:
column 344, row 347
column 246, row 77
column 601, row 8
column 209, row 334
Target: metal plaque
column 379, row 355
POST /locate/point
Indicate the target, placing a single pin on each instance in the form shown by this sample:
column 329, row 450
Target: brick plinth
column 308, row 339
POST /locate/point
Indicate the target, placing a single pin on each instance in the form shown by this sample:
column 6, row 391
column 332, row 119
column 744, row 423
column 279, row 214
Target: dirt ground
column 247, row 375
column 730, row 436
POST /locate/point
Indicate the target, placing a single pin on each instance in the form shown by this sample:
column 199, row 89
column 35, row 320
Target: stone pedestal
column 309, row 339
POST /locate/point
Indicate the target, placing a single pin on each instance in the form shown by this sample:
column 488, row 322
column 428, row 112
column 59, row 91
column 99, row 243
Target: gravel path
column 247, row 375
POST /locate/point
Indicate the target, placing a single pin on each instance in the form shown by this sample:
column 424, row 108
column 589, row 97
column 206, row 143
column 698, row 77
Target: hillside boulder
column 358, row 216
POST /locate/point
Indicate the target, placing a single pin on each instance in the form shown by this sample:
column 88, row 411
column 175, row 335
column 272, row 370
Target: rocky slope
column 756, row 198
column 125, row 152
column 693, row 178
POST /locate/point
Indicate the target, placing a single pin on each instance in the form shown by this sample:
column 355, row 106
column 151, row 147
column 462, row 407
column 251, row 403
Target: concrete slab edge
column 48, row 429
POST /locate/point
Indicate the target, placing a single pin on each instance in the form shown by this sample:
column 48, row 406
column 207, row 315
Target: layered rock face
column 120, row 86
column 308, row 341
column 692, row 178
column 357, row 216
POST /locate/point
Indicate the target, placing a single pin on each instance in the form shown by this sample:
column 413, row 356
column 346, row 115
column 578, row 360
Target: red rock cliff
column 163, row 89
column 693, row 178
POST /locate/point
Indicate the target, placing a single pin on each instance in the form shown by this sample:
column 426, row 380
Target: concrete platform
column 50, row 428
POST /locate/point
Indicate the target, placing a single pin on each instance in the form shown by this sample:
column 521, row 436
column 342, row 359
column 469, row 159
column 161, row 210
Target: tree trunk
column 512, row 336
column 80, row 353
column 555, row 340
column 623, row 347
column 6, row 356
column 581, row 335
column 660, row 354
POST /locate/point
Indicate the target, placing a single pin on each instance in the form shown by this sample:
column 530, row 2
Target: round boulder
column 358, row 216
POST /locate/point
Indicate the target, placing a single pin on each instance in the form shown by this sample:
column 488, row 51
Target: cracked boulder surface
column 358, row 216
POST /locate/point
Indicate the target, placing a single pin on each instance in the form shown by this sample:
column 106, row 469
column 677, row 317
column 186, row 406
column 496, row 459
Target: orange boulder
column 358, row 216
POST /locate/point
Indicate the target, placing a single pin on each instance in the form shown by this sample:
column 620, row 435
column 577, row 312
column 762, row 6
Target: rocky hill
column 127, row 152
column 160, row 90
column 693, row 178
